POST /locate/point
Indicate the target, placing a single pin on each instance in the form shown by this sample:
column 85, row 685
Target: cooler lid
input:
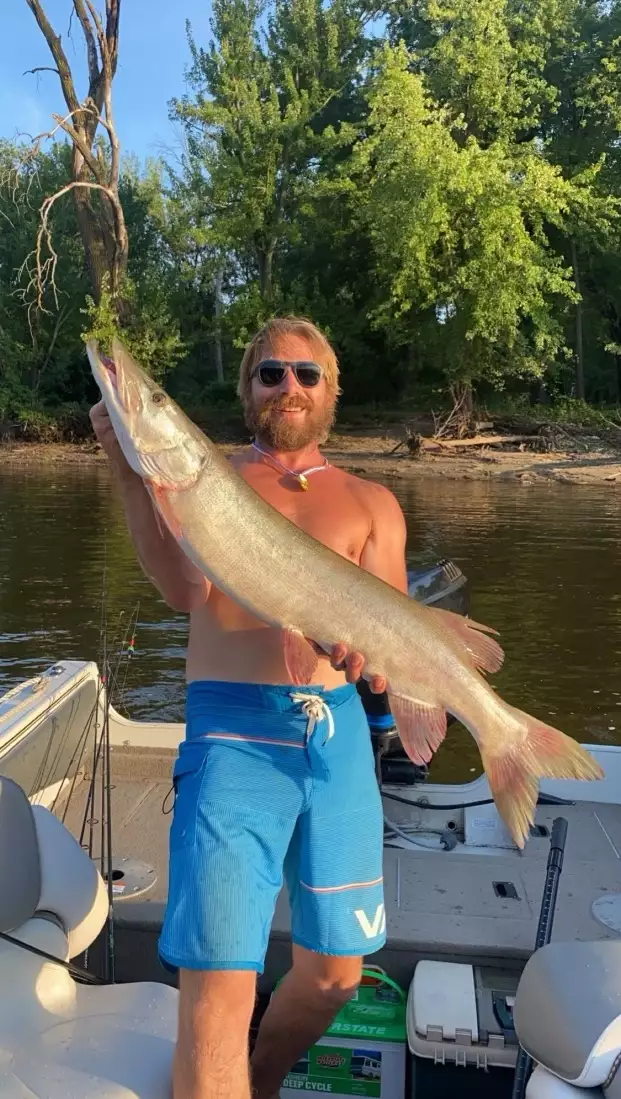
column 442, row 1002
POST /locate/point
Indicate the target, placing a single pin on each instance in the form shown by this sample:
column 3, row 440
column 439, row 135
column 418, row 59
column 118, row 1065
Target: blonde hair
column 271, row 333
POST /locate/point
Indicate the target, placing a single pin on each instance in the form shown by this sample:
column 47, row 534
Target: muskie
column 432, row 659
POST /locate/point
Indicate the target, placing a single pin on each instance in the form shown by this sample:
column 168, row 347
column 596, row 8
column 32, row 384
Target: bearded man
column 273, row 781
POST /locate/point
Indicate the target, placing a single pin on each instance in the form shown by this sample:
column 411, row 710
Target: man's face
column 289, row 416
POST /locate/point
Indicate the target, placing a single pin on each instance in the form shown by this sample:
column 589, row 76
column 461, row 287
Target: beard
column 280, row 434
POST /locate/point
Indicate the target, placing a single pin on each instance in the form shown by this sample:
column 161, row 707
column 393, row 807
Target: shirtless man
column 267, row 781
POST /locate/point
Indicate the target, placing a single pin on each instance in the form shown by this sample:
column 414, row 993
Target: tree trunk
column 102, row 228
column 265, row 259
column 579, row 340
column 218, row 325
column 95, row 176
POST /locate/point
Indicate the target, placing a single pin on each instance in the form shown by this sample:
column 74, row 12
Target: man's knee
column 333, row 980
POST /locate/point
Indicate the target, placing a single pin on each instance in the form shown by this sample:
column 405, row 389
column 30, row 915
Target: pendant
column 303, row 482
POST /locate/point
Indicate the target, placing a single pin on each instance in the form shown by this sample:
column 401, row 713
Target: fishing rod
column 106, row 814
column 101, row 761
column 558, row 839
column 102, row 767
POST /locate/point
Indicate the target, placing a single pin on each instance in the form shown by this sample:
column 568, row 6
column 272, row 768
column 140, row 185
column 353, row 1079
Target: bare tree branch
column 91, row 47
column 102, row 224
column 41, row 69
column 80, row 144
column 61, row 124
column 113, row 8
column 53, row 41
column 42, row 276
column 103, row 44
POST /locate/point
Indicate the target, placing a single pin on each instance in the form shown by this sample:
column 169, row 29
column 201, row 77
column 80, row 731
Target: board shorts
column 273, row 782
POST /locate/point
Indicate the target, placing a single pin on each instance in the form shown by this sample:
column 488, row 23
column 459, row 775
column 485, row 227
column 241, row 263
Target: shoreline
column 368, row 454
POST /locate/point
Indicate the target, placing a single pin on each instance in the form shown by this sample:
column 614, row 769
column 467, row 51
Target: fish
column 435, row 661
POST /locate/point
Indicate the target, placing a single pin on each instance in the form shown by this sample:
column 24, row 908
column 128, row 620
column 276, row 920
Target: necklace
column 301, row 476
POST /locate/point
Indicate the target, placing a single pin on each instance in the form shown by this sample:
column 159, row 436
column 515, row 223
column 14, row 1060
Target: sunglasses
column 271, row 372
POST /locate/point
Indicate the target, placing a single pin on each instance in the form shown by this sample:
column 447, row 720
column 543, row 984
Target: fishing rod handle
column 559, row 834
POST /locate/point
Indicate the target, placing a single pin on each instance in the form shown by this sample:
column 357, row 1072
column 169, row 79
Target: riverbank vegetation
column 437, row 185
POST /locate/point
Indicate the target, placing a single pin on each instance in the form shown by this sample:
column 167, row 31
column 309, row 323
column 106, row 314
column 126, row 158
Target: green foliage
column 461, row 233
column 443, row 201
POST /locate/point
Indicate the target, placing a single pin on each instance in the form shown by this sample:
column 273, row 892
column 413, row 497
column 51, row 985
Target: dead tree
column 94, row 179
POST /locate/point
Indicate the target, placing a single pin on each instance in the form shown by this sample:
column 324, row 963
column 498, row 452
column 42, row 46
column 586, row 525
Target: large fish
column 432, row 659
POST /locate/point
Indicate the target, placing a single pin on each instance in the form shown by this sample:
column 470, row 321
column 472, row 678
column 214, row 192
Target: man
column 271, row 778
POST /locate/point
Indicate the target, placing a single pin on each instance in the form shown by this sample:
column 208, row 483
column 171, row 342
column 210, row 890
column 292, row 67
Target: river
column 543, row 564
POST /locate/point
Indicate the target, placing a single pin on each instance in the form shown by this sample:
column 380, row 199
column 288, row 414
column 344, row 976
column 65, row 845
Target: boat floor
column 439, row 904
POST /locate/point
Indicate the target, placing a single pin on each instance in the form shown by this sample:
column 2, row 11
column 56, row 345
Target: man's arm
column 179, row 582
column 384, row 550
column 383, row 555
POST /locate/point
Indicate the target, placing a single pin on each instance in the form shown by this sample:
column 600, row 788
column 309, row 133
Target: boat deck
column 452, row 905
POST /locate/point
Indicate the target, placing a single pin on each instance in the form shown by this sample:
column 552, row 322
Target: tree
column 486, row 61
column 461, row 232
column 583, row 130
column 260, row 124
column 528, row 71
column 94, row 180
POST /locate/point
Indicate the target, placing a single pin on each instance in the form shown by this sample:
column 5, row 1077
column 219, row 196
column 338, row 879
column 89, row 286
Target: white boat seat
column 59, row 1038
column 567, row 1016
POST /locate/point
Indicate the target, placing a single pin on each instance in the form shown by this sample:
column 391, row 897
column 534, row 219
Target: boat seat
column 60, row 1038
column 567, row 1016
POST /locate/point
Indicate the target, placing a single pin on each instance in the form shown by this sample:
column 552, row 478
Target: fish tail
column 514, row 769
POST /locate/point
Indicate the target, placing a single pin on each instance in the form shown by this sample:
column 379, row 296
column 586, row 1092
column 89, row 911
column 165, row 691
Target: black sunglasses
column 271, row 372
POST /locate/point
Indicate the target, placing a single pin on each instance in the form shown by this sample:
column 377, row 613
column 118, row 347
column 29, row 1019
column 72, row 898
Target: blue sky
column 153, row 55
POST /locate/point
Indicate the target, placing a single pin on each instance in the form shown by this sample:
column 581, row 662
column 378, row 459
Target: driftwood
column 480, row 440
column 413, row 441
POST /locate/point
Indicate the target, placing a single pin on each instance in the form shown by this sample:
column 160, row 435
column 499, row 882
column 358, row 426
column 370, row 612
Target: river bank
column 368, row 453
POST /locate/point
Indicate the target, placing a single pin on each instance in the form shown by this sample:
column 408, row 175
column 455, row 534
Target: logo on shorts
column 375, row 928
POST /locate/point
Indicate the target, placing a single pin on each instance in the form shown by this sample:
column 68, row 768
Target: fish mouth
column 111, row 371
column 109, row 377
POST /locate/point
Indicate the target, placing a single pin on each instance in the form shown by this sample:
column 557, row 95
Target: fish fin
column 514, row 776
column 300, row 657
column 486, row 654
column 422, row 727
column 163, row 509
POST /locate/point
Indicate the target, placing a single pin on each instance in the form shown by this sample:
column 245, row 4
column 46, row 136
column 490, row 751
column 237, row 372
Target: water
column 543, row 564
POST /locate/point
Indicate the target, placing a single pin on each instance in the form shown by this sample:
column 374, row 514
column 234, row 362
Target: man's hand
column 102, row 426
column 353, row 664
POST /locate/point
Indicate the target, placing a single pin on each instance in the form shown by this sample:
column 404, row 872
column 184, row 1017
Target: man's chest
column 326, row 510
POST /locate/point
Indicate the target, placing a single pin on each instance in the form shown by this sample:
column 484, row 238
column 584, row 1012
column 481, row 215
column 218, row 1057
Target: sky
column 153, row 55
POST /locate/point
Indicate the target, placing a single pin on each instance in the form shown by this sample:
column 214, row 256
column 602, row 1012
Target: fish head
column 157, row 438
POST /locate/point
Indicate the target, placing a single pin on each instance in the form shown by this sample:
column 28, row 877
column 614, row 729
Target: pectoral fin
column 164, row 510
column 301, row 658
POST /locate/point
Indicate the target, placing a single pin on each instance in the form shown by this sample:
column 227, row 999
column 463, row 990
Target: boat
column 85, row 801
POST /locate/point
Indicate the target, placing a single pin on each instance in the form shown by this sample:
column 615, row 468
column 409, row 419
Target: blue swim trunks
column 273, row 781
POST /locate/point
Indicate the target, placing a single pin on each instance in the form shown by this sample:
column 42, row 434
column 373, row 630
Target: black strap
column 74, row 970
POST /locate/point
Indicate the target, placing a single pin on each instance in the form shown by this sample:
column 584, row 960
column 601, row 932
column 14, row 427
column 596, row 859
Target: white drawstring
column 316, row 710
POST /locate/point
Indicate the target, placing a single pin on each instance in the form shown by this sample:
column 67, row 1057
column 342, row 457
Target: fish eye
column 158, row 397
